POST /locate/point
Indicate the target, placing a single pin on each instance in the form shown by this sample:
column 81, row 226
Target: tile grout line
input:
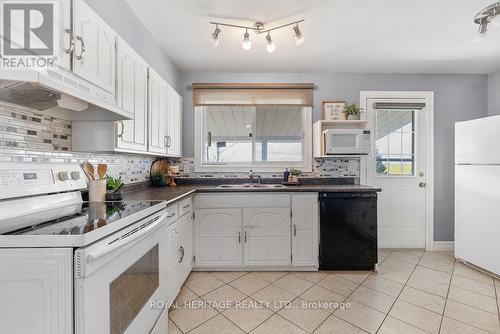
column 447, row 294
column 397, row 298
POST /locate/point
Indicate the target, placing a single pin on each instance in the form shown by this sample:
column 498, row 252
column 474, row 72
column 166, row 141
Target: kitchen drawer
column 185, row 206
column 242, row 200
column 172, row 213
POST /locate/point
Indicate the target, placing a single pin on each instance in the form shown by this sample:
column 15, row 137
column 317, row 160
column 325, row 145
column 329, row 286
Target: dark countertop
column 171, row 194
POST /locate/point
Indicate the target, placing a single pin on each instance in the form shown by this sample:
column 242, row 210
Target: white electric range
column 69, row 266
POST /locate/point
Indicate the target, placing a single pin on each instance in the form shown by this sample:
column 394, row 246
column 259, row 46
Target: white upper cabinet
column 94, row 56
column 131, row 96
column 266, row 236
column 174, row 123
column 218, row 237
column 305, row 220
column 157, row 114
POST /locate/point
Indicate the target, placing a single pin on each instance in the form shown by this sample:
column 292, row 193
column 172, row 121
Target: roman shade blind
column 253, row 94
column 398, row 105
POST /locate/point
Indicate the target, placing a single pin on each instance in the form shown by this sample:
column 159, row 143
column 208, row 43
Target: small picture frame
column 334, row 110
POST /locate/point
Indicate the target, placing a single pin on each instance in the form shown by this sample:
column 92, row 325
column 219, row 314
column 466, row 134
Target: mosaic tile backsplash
column 27, row 136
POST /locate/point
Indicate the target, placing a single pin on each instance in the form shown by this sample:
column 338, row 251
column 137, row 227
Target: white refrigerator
column 477, row 193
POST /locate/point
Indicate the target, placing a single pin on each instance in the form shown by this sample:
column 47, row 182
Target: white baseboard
column 443, row 246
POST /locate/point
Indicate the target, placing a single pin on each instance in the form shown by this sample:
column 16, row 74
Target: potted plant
column 114, row 188
column 352, row 111
column 294, row 174
column 159, row 179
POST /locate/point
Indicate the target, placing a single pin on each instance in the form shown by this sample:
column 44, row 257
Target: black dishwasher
column 348, row 231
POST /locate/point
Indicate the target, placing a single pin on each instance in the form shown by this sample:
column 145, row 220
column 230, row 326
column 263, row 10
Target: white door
column 131, row 96
column 398, row 166
column 157, row 113
column 266, row 236
column 173, row 267
column 305, row 230
column 218, row 237
column 94, row 52
column 37, row 282
column 186, row 254
column 174, row 123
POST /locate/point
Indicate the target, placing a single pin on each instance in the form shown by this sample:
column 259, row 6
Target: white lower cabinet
column 173, row 268
column 266, row 236
column 252, row 230
column 218, row 237
column 305, row 218
column 44, row 277
column 186, row 248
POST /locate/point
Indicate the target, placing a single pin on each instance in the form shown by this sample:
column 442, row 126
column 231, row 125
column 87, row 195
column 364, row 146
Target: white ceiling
column 363, row 36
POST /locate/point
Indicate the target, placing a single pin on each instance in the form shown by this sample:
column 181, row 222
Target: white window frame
column 305, row 165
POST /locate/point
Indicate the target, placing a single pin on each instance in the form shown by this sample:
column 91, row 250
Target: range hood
column 56, row 92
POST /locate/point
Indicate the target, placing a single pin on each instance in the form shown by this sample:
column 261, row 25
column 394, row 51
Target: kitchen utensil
column 84, row 168
column 90, row 170
column 97, row 190
column 102, row 169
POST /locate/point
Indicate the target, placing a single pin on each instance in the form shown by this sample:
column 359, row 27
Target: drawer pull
column 239, row 237
column 245, row 236
column 171, row 215
column 294, row 230
column 186, row 206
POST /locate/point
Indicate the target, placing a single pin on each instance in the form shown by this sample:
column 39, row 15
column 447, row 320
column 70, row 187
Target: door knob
column 422, row 184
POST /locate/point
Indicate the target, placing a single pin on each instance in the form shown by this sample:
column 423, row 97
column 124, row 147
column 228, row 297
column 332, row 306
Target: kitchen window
column 258, row 137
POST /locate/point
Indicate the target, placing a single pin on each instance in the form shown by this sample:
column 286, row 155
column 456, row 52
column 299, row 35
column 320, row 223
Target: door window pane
column 395, row 142
column 130, row 291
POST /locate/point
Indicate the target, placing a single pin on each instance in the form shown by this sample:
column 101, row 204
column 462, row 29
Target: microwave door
column 343, row 143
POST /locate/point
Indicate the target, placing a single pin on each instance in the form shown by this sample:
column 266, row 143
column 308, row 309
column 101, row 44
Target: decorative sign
column 334, row 110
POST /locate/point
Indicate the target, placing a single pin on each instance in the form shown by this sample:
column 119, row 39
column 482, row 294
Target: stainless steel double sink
column 251, row 185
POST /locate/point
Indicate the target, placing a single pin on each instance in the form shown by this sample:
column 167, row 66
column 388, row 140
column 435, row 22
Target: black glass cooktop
column 79, row 219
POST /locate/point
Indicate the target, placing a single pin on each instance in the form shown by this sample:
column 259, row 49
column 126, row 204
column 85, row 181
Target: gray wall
column 494, row 94
column 457, row 98
column 123, row 20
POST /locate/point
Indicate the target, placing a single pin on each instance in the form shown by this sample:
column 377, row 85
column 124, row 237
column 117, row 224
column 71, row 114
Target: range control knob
column 63, row 176
column 75, row 175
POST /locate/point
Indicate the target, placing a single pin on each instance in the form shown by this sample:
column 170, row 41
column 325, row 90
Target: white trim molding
column 443, row 246
column 428, row 96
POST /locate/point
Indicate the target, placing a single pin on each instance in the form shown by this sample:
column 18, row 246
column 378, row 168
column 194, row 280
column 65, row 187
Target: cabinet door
column 94, row 53
column 186, row 259
column 36, row 286
column 131, row 96
column 174, row 123
column 305, row 230
column 157, row 111
column 218, row 237
column 173, row 267
column 266, row 236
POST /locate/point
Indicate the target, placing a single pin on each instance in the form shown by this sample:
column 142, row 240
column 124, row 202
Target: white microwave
column 346, row 141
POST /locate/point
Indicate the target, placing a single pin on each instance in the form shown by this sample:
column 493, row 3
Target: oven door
column 121, row 282
column 343, row 141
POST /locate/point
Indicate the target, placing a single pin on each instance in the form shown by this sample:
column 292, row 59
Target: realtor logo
column 28, row 29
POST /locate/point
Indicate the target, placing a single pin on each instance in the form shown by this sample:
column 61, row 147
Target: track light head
column 215, row 36
column 247, row 43
column 483, row 30
column 270, row 45
column 299, row 38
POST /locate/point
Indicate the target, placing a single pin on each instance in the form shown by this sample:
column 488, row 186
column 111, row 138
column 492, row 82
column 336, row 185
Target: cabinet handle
column 169, row 141
column 294, row 230
column 71, row 41
column 171, row 215
column 120, row 135
column 181, row 249
column 239, row 237
column 245, row 236
column 82, row 43
column 186, row 206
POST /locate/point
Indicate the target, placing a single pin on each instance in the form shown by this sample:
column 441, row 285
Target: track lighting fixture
column 299, row 38
column 259, row 28
column 215, row 36
column 489, row 15
column 270, row 46
column 247, row 43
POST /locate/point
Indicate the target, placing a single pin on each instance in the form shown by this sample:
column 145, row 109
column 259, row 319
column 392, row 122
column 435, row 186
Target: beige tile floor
column 413, row 292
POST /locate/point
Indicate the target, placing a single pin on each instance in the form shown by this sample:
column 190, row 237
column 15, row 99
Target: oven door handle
column 109, row 248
